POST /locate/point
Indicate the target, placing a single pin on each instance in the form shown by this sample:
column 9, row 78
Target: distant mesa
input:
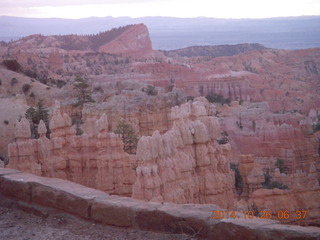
column 128, row 40
column 135, row 39
column 214, row 51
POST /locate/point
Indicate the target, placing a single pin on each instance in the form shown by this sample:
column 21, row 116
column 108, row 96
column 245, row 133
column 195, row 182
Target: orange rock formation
column 95, row 159
column 186, row 164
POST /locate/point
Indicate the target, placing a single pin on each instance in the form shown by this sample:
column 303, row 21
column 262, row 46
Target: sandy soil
column 18, row 225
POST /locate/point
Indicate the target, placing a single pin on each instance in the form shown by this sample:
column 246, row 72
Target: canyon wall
column 253, row 129
column 186, row 164
column 95, row 159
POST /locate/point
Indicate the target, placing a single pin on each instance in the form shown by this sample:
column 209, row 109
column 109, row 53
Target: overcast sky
column 173, row 8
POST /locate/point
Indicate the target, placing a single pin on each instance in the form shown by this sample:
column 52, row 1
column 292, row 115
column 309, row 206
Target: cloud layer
column 174, row 8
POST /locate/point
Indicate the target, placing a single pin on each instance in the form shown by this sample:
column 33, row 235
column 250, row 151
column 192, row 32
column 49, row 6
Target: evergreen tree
column 128, row 136
column 35, row 115
column 83, row 93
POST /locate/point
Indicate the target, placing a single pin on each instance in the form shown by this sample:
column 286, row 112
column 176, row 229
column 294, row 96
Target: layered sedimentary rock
column 252, row 174
column 135, row 40
column 142, row 105
column 261, row 141
column 186, row 164
column 10, row 109
column 253, row 129
column 293, row 202
column 95, row 159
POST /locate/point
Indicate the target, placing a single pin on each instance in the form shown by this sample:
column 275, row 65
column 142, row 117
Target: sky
column 75, row 9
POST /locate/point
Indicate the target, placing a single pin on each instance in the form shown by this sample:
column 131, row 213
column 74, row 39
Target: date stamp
column 279, row 215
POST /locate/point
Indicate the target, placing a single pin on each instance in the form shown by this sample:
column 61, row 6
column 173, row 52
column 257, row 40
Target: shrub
column 76, row 120
column 280, row 164
column 190, row 98
column 14, row 81
column 225, row 133
column 238, row 178
column 12, row 65
column 26, row 87
column 150, row 90
column 217, row 98
column 59, row 71
column 201, row 90
column 79, row 131
column 30, row 73
column 274, row 184
column 170, row 88
column 254, row 125
column 98, row 89
column 43, row 80
column 223, row 140
column 29, row 61
column 253, row 207
column 60, row 83
column 269, row 184
column 316, row 127
column 4, row 159
column 239, row 124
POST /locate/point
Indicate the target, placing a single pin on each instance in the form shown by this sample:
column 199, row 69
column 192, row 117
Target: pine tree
column 35, row 115
column 128, row 136
column 83, row 93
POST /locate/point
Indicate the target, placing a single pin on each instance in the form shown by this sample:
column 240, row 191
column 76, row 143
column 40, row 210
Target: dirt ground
column 16, row 224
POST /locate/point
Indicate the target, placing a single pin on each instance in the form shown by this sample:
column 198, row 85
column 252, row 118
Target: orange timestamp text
column 280, row 215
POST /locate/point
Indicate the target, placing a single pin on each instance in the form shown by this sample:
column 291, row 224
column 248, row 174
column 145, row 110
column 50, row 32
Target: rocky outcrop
column 95, row 159
column 293, row 201
column 134, row 41
column 253, row 129
column 214, row 51
column 252, row 174
column 186, row 164
column 299, row 179
column 130, row 101
column 31, row 192
column 10, row 109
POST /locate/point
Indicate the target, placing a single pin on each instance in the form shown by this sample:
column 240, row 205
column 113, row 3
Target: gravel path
column 18, row 225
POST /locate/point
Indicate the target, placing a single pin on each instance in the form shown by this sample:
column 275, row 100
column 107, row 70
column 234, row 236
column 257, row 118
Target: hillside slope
column 214, row 51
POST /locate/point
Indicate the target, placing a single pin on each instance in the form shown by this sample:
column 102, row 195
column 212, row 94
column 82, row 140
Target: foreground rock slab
column 194, row 219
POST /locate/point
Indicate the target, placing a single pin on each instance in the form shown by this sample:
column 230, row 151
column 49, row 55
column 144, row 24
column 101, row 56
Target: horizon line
column 199, row 17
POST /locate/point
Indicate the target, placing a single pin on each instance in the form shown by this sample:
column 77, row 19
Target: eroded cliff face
column 186, row 164
column 287, row 80
column 58, row 57
column 144, row 106
column 134, row 41
column 254, row 129
column 95, row 159
column 303, row 193
column 190, row 163
column 299, row 202
column 293, row 201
